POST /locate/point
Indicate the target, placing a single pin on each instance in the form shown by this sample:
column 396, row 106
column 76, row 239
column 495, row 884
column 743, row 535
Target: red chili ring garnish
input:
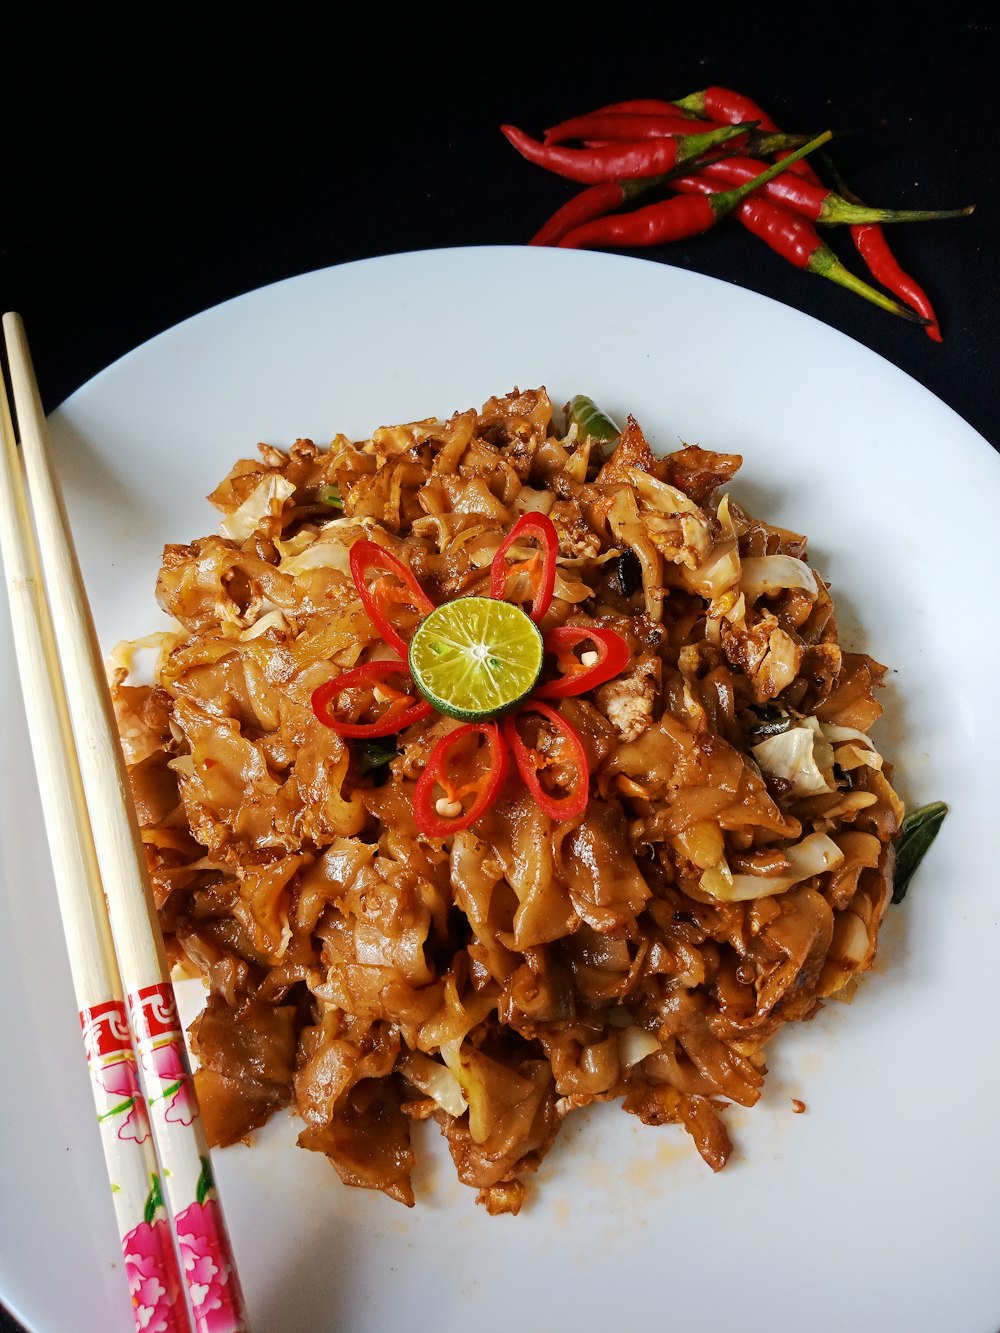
column 541, row 567
column 404, row 707
column 529, row 762
column 367, row 556
column 484, row 786
column 613, row 654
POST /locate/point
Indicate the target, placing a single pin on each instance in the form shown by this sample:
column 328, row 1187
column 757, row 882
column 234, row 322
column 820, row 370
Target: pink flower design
column 118, row 1080
column 167, row 1063
column 211, row 1280
column 136, row 1124
column 152, row 1282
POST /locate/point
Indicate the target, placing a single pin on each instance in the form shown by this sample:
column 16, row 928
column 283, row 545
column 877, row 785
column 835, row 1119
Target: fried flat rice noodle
column 729, row 874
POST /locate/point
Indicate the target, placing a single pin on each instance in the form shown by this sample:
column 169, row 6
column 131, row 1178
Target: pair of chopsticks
column 178, row 1256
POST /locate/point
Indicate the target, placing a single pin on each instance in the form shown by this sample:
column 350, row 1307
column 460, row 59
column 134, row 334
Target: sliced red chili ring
column 366, row 557
column 529, row 762
column 612, row 651
column 483, row 786
column 404, row 708
column 541, row 567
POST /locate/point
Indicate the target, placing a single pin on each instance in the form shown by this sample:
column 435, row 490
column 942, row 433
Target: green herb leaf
column 591, row 422
column 375, row 754
column 329, row 494
column 917, row 832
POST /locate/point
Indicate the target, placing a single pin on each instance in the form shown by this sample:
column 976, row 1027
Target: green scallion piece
column 591, row 421
column 329, row 494
column 375, row 754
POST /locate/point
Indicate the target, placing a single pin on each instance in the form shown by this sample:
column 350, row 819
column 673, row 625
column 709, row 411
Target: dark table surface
column 161, row 165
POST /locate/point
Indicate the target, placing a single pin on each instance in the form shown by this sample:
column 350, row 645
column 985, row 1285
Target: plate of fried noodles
column 657, row 989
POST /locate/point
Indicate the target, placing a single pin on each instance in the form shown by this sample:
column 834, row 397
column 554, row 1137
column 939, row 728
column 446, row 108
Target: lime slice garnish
column 475, row 657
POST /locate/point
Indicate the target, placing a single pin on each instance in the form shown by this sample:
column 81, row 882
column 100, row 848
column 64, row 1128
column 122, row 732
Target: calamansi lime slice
column 475, row 657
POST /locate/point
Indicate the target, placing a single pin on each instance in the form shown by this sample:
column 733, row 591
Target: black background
column 154, row 166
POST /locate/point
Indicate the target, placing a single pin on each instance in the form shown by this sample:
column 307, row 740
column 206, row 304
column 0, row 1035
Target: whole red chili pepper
column 529, row 762
column 754, row 144
column 678, row 217
column 618, row 161
column 873, row 247
column 606, row 128
column 367, row 556
column 816, row 202
column 576, row 677
column 798, row 241
column 594, row 202
column 483, row 786
column 725, row 106
column 624, row 125
column 404, row 707
column 541, row 567
column 642, row 106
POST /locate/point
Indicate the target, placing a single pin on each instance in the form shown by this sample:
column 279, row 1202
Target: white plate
column 878, row 1208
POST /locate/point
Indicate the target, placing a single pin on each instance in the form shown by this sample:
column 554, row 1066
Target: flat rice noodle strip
column 600, row 963
column 852, row 702
column 801, row 935
column 368, row 1139
column 884, row 818
column 456, row 437
column 246, row 1059
column 729, row 1073
column 327, row 640
column 142, row 716
column 264, row 902
column 544, row 910
column 540, row 991
column 525, row 415
column 231, row 795
column 663, row 1105
column 514, row 1109
column 855, row 935
column 698, row 472
column 710, row 1135
column 154, row 788
column 671, row 1065
column 487, row 901
column 455, row 1018
column 631, row 452
column 334, row 1062
column 328, row 878
column 212, row 581
column 585, row 1069
column 604, row 882
column 232, row 1108
column 323, row 1079
column 258, row 1039
column 227, row 975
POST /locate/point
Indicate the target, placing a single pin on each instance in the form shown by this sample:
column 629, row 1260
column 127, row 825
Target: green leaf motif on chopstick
column 167, row 1092
column 154, row 1200
column 206, row 1181
column 917, row 832
column 117, row 1110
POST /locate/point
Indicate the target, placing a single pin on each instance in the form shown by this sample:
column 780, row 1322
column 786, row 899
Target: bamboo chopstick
column 185, row 1183
column 129, row 1153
